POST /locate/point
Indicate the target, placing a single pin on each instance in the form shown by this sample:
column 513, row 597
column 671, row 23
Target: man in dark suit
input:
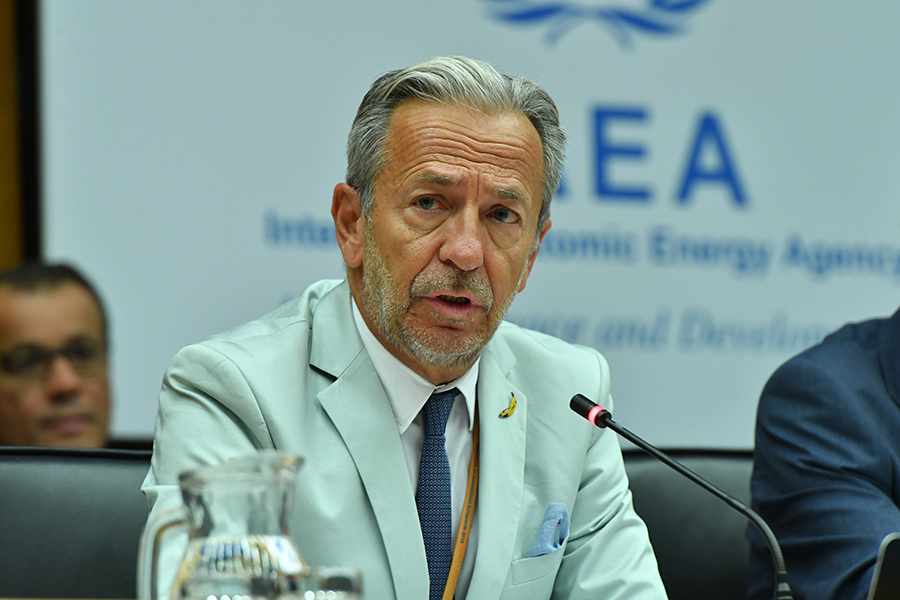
column 826, row 475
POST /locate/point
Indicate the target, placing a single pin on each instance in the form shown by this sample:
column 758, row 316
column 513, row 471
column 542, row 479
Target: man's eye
column 504, row 215
column 23, row 360
column 427, row 203
column 81, row 352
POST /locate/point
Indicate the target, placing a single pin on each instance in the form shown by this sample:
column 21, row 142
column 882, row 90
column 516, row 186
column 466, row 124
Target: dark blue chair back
column 70, row 522
column 700, row 542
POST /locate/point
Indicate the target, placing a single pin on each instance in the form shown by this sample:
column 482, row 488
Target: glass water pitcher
column 239, row 547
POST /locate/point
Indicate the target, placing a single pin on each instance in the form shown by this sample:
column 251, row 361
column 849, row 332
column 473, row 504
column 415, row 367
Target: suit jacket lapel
column 890, row 355
column 360, row 411
column 502, row 474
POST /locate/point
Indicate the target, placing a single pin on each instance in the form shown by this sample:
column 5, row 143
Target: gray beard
column 387, row 313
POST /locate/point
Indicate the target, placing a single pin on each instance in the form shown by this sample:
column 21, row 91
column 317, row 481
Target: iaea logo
column 652, row 17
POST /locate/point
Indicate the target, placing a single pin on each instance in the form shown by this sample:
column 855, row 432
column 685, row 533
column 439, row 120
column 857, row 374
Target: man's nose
column 464, row 242
column 62, row 378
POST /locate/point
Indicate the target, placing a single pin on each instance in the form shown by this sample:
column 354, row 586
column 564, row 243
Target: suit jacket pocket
column 526, row 570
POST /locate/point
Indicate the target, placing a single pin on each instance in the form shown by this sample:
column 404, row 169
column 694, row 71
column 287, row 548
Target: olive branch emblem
column 657, row 17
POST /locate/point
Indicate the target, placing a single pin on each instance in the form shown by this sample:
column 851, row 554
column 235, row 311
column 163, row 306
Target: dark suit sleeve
column 825, row 474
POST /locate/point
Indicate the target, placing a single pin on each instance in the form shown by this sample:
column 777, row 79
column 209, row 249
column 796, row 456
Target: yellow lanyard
column 465, row 521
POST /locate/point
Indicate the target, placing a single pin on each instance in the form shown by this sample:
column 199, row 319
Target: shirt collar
column 407, row 391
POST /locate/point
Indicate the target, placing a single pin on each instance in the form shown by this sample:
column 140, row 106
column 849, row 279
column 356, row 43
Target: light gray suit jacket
column 300, row 380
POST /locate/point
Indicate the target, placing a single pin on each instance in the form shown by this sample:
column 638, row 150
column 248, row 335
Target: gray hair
column 454, row 80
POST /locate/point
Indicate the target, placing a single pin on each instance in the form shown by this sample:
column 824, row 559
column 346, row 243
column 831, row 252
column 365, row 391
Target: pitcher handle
column 148, row 551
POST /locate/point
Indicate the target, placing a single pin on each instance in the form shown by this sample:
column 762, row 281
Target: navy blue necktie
column 433, row 493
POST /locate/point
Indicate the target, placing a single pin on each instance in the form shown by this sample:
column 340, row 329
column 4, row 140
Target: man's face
column 452, row 234
column 54, row 388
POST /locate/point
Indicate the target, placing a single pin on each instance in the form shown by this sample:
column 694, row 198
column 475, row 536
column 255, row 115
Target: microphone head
column 590, row 410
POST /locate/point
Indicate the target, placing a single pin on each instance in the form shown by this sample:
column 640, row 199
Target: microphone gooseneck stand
column 601, row 417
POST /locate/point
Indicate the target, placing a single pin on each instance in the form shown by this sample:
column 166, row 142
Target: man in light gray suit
column 451, row 169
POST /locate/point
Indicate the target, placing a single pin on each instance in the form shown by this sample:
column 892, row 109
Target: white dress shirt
column 407, row 392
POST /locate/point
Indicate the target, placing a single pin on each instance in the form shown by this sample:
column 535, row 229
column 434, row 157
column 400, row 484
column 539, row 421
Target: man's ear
column 348, row 224
column 534, row 255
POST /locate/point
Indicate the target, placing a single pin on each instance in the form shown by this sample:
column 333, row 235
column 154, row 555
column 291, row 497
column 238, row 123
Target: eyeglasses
column 33, row 362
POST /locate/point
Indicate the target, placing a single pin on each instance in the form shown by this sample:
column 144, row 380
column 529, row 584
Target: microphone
column 601, row 417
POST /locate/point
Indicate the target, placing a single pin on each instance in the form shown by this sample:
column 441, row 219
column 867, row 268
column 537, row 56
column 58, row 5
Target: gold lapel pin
column 509, row 409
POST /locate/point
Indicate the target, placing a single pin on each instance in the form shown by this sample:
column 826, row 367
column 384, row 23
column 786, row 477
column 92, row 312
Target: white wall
column 176, row 134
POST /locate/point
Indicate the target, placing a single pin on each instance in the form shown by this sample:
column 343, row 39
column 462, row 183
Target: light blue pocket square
column 553, row 531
